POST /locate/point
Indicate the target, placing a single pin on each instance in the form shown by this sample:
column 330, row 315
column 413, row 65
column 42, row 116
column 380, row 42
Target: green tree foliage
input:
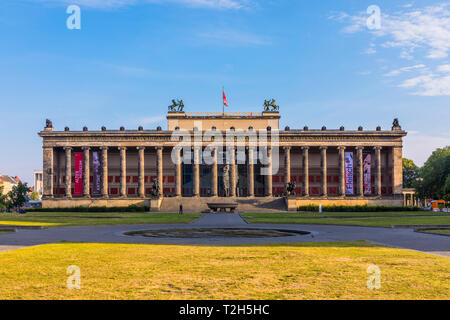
column 435, row 176
column 3, row 198
column 410, row 173
column 17, row 197
column 34, row 196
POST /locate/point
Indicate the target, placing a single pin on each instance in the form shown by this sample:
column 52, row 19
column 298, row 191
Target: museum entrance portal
column 206, row 178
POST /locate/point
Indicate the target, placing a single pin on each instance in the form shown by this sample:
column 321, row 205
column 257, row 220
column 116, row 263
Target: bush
column 334, row 208
column 132, row 208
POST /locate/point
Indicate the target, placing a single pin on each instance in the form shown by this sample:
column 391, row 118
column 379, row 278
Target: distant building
column 38, row 184
column 8, row 182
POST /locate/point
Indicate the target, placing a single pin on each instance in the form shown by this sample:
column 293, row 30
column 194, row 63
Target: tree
column 17, row 197
column 3, row 198
column 410, row 173
column 34, row 196
column 447, row 189
column 435, row 176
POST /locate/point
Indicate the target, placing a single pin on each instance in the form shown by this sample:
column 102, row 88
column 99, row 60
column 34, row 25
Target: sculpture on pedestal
column 290, row 189
column 176, row 106
column 155, row 192
column 271, row 104
column 48, row 123
column 226, row 180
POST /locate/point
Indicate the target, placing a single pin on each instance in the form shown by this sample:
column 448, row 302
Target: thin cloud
column 444, row 68
column 232, row 38
column 428, row 85
column 408, row 30
column 96, row 4
column 420, row 34
column 418, row 146
column 111, row 4
column 402, row 70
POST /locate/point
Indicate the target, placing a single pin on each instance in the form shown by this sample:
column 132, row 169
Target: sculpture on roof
column 48, row 123
column 176, row 106
column 271, row 104
column 396, row 125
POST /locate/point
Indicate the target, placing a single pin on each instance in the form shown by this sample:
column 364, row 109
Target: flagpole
column 223, row 102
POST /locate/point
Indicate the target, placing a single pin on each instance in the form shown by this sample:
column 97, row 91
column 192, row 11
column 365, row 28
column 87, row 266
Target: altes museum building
column 221, row 157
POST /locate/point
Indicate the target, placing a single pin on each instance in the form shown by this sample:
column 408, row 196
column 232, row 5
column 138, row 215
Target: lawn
column 437, row 231
column 336, row 270
column 369, row 219
column 64, row 219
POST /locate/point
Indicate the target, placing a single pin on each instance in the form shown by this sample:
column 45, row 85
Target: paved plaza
column 400, row 238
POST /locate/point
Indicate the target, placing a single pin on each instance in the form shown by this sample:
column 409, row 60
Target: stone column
column 386, row 171
column 305, row 171
column 324, row 172
column 159, row 171
column 360, row 170
column 123, row 171
column 196, row 191
column 57, row 173
column 287, row 166
column 269, row 175
column 341, row 171
column 233, row 172
column 378, row 172
column 86, row 173
column 141, row 172
column 178, row 172
column 68, row 172
column 251, row 173
column 105, row 188
column 214, row 174
column 397, row 171
column 48, row 172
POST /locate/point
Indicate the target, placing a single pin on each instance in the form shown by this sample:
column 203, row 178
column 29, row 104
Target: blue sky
column 131, row 57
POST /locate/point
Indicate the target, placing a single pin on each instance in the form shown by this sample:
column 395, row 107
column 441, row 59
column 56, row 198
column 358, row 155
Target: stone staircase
column 250, row 205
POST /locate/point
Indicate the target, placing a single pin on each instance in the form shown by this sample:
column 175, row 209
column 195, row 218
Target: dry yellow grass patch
column 299, row 271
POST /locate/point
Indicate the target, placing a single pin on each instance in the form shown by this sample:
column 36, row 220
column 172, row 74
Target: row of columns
column 48, row 164
column 410, row 200
column 324, row 173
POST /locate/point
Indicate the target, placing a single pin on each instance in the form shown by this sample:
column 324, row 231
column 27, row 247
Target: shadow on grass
column 335, row 244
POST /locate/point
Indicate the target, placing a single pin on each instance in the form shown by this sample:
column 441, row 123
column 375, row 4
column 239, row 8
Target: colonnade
column 48, row 171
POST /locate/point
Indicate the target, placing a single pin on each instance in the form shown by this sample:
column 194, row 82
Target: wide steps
column 197, row 205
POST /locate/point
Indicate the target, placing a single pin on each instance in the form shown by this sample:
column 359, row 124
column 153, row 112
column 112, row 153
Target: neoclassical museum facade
column 207, row 157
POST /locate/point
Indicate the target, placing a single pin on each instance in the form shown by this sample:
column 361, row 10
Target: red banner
column 78, row 181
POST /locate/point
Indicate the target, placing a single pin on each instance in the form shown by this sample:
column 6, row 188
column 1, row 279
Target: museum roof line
column 237, row 131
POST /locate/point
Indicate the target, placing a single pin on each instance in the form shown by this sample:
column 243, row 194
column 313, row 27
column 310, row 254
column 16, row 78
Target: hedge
column 132, row 208
column 315, row 208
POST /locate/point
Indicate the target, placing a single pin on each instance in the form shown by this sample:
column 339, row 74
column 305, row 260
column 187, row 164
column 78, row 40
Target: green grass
column 64, row 219
column 382, row 219
column 437, row 231
column 334, row 270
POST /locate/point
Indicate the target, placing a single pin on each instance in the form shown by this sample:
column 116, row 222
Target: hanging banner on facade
column 349, row 173
column 97, row 174
column 367, row 164
column 78, row 179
